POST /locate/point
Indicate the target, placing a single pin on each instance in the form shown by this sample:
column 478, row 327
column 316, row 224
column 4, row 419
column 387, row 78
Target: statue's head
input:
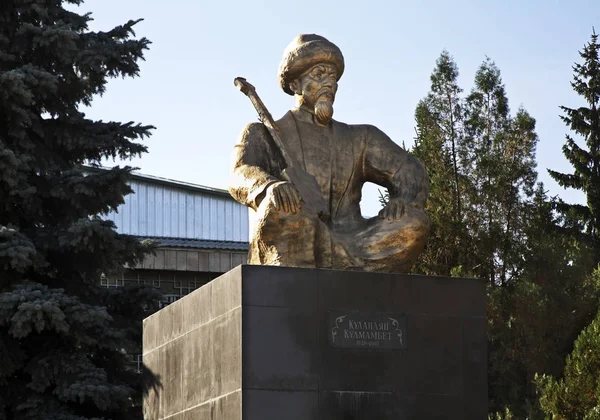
column 310, row 69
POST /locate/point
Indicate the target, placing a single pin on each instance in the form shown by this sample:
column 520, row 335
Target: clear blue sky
column 186, row 86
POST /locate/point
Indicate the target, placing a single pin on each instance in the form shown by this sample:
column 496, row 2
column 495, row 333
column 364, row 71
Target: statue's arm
column 387, row 164
column 252, row 166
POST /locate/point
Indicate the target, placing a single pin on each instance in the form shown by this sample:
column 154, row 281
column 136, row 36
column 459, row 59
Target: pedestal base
column 277, row 343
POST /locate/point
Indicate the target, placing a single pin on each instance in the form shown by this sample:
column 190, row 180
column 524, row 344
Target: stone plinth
column 274, row 343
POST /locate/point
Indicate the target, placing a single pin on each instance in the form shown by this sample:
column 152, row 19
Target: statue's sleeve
column 253, row 165
column 387, row 164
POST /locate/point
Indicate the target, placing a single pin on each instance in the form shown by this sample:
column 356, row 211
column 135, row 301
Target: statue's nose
column 330, row 83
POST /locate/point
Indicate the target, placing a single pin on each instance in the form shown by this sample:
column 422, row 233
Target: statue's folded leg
column 389, row 245
column 302, row 240
column 285, row 239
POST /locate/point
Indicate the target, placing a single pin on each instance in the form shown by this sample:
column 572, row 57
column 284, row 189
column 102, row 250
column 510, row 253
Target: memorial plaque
column 367, row 330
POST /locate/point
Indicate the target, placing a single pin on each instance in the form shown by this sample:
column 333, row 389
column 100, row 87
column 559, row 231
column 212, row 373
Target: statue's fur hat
column 305, row 51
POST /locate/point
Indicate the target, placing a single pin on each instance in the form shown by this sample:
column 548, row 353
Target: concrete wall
column 279, row 339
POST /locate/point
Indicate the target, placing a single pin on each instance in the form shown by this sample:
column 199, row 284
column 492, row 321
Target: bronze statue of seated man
column 342, row 158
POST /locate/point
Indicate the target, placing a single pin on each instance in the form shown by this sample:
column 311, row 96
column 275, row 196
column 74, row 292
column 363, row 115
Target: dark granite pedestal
column 275, row 343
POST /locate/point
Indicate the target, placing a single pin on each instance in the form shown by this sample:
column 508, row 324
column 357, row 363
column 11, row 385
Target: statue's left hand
column 396, row 208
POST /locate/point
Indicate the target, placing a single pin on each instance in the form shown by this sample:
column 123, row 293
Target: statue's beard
column 324, row 110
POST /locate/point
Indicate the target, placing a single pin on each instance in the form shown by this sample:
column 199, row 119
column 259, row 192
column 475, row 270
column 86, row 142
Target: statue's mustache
column 327, row 93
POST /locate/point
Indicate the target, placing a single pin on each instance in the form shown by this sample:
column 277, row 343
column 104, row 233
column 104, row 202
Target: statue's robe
column 342, row 158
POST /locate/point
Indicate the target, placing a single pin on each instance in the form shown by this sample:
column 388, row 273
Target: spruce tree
column 63, row 339
column 585, row 122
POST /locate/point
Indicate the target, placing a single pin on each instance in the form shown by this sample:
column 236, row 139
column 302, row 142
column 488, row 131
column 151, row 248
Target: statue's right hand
column 284, row 197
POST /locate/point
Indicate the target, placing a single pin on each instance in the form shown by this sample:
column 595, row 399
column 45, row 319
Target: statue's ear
column 295, row 86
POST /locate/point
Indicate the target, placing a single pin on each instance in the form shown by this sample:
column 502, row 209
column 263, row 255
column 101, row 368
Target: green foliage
column 577, row 393
column 440, row 122
column 585, row 122
column 499, row 159
column 504, row 415
column 532, row 325
column 491, row 219
column 63, row 340
column 481, row 164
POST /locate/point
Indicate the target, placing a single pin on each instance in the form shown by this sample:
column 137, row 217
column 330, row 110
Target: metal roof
column 197, row 243
column 180, row 184
column 169, row 182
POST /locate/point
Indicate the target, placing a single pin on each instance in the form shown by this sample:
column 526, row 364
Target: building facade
column 201, row 232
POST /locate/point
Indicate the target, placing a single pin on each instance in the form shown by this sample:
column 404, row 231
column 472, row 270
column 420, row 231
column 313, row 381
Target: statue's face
column 316, row 89
column 318, row 81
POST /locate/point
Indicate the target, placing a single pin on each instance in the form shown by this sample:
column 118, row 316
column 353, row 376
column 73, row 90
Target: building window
column 154, row 282
column 111, row 282
column 186, row 287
